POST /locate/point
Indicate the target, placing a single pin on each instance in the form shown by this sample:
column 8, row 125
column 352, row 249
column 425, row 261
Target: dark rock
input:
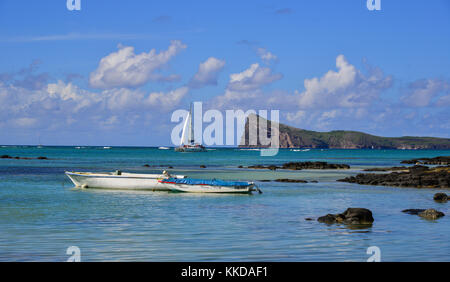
column 313, row 165
column 442, row 160
column 302, row 165
column 170, row 167
column 203, row 166
column 440, row 197
column 257, row 166
column 413, row 211
column 291, row 180
column 431, row 214
column 395, row 168
column 416, row 176
column 22, row 158
column 240, row 166
column 314, row 181
column 350, row 216
column 146, row 165
column 265, row 180
column 272, row 167
column 308, row 218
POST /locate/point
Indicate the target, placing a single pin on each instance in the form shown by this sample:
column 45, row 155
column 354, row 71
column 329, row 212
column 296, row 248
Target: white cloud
column 124, row 68
column 347, row 87
column 421, row 92
column 252, row 78
column 296, row 116
column 207, row 73
column 265, row 55
column 167, row 100
column 24, row 122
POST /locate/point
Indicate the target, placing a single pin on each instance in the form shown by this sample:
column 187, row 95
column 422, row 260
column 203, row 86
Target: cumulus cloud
column 347, row 87
column 167, row 100
column 63, row 104
column 124, row 68
column 265, row 55
column 207, row 73
column 421, row 92
column 252, row 78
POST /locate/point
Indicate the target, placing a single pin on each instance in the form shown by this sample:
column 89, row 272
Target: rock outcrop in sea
column 350, row 216
column 416, row 176
column 430, row 214
column 302, row 165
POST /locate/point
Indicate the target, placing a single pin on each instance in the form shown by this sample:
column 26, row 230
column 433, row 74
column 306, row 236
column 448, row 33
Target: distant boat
column 164, row 148
column 106, row 147
column 209, row 186
column 187, row 137
column 120, row 180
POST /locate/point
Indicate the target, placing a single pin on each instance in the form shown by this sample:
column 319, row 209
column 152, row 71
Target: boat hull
column 209, row 189
column 126, row 181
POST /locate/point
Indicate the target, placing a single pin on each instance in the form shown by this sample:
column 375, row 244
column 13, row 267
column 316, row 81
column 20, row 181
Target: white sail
column 184, row 137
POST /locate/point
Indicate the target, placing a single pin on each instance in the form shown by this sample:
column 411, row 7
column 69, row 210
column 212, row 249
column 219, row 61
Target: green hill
column 291, row 137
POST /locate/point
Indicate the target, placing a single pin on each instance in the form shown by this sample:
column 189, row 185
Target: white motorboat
column 187, row 137
column 121, row 180
column 209, row 186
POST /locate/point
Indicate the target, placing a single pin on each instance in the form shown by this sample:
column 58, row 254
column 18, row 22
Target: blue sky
column 325, row 65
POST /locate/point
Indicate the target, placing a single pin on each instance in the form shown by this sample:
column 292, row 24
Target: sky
column 113, row 72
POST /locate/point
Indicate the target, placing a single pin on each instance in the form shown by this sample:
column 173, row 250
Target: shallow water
column 41, row 214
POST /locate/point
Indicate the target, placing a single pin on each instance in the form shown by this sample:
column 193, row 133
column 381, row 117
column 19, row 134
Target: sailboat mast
column 191, row 132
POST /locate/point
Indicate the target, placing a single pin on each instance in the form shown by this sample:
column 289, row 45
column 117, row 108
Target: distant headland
column 291, row 137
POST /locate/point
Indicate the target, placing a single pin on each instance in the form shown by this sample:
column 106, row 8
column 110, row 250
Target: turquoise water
column 41, row 214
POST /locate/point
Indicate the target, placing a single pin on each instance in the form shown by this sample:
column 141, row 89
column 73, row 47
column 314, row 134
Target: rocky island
column 291, row 137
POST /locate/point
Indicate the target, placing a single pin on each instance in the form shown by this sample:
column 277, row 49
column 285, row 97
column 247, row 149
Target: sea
column 42, row 214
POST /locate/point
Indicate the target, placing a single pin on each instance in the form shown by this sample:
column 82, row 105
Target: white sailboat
column 187, row 137
column 121, row 180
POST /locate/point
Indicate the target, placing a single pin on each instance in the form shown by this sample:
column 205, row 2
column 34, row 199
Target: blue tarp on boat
column 214, row 182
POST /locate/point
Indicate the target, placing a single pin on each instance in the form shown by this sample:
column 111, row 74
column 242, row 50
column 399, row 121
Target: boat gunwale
column 98, row 175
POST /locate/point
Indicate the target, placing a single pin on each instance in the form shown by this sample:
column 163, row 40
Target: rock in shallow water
column 440, row 197
column 416, row 176
column 431, row 214
column 291, row 180
column 350, row 216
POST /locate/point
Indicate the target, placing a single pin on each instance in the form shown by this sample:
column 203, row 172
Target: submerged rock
column 350, row 216
column 440, row 197
column 22, row 158
column 413, row 211
column 313, row 165
column 203, row 166
column 146, row 165
column 291, row 180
